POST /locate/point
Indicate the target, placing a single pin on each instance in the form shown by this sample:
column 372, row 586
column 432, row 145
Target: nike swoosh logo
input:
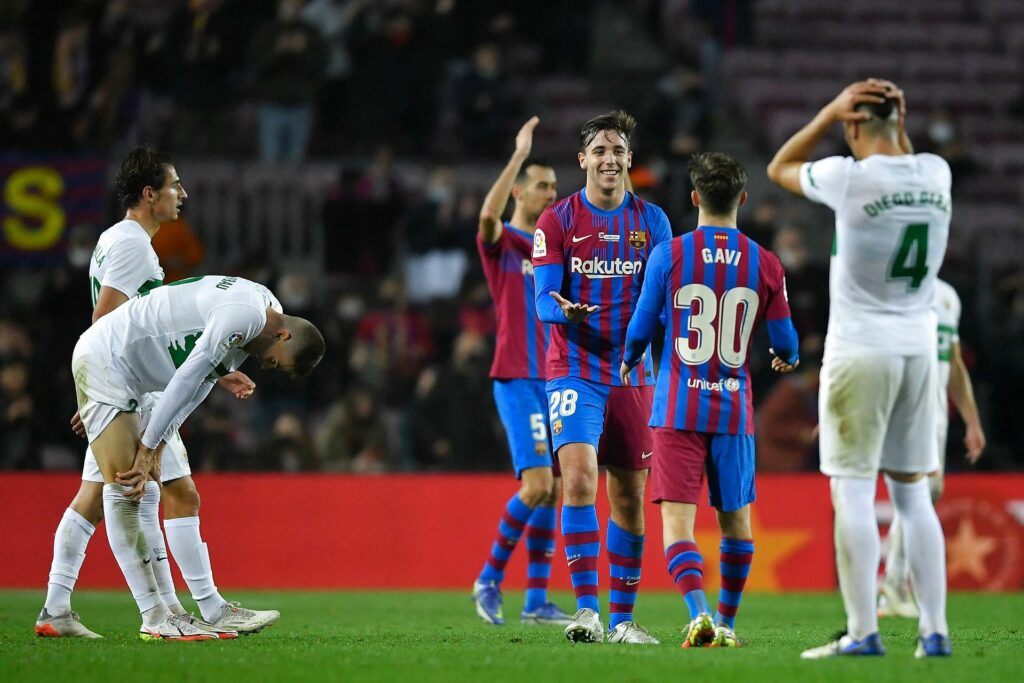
column 580, row 239
column 146, row 561
column 161, row 559
column 632, row 583
column 573, row 561
column 646, row 455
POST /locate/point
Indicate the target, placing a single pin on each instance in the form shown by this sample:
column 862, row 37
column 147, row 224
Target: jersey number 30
column 723, row 324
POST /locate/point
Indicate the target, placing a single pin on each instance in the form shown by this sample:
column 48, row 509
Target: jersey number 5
column 725, row 325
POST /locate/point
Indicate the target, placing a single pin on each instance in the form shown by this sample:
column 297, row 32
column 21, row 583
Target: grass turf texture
column 436, row 636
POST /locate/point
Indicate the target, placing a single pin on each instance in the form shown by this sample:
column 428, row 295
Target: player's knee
column 536, row 486
column 88, row 502
column 181, row 499
column 579, row 489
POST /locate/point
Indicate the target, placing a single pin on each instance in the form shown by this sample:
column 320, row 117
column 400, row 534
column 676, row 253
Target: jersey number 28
column 723, row 324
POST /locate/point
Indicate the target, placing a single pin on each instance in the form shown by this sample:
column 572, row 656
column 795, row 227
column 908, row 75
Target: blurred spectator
column 178, row 248
column 288, row 448
column 352, row 436
column 370, row 198
column 17, row 412
column 201, row 53
column 483, row 104
column 439, row 231
column 806, row 281
column 761, row 223
column 942, row 137
column 333, row 19
column 393, row 344
column 455, row 423
column 290, row 60
column 787, row 418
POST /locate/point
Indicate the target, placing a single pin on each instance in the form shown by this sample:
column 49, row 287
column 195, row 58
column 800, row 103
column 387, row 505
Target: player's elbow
column 774, row 171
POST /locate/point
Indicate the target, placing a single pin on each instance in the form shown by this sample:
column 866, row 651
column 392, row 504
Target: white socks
column 857, row 552
column 193, row 560
column 128, row 544
column 69, row 544
column 925, row 550
column 897, row 571
column 149, row 520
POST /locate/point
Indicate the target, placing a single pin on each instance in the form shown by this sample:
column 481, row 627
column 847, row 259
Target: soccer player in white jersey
column 177, row 339
column 879, row 373
column 896, row 598
column 124, row 265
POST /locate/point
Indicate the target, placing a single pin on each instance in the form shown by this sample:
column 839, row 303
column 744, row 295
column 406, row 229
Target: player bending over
column 123, row 266
column 518, row 374
column 879, row 372
column 711, row 287
column 178, row 340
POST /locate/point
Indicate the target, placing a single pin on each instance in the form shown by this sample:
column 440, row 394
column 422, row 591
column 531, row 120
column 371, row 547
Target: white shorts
column 878, row 412
column 101, row 396
column 173, row 462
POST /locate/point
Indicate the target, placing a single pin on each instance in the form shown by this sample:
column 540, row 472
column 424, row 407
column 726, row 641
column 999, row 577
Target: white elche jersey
column 947, row 310
column 124, row 260
column 892, row 224
column 179, row 339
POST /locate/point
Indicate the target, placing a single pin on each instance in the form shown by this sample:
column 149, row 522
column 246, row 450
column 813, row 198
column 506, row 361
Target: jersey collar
column 602, row 212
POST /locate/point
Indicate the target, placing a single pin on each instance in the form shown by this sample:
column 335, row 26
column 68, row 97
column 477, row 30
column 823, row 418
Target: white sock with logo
column 149, row 520
column 129, row 547
column 193, row 558
column 858, row 548
column 69, row 544
column 926, row 551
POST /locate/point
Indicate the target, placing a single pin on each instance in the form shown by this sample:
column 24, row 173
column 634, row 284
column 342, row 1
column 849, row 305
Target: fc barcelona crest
column 556, row 427
column 637, row 239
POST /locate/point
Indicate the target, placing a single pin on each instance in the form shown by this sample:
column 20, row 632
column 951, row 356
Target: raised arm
column 497, row 197
column 962, row 393
column 784, row 168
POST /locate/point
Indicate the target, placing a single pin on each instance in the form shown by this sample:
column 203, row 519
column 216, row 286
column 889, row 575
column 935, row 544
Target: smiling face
column 606, row 160
column 167, row 200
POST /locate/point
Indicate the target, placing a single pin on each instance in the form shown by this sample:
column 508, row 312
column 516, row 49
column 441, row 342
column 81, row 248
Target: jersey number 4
column 713, row 324
column 910, row 262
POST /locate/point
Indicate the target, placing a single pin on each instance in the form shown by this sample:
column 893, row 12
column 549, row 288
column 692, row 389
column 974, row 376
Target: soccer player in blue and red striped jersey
column 519, row 378
column 589, row 253
column 710, row 287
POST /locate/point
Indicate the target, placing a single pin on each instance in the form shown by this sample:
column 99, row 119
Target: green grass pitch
column 436, row 636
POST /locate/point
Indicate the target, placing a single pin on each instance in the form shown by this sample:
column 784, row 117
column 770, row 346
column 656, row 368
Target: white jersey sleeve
column 229, row 327
column 129, row 266
column 825, row 181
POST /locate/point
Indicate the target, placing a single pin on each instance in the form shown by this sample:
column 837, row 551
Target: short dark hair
column 719, row 180
column 884, row 116
column 142, row 168
column 879, row 110
column 309, row 343
column 621, row 122
column 532, row 161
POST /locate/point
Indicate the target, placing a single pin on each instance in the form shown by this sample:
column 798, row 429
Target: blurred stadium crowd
column 339, row 150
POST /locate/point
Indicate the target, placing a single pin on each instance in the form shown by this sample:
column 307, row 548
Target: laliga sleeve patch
column 540, row 245
column 232, row 341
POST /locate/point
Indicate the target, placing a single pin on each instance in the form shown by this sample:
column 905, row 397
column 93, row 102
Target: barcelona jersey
column 711, row 287
column 603, row 255
column 521, row 338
